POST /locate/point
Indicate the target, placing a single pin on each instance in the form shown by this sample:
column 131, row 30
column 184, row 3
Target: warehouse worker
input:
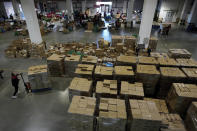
column 1, row 72
column 137, row 49
column 15, row 82
column 149, row 51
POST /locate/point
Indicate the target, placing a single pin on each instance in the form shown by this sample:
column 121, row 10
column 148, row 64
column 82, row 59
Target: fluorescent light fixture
column 104, row 3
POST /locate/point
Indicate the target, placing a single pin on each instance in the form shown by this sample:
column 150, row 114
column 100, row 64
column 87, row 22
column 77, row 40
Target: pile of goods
column 179, row 53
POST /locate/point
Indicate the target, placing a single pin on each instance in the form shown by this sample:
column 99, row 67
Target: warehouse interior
column 98, row 65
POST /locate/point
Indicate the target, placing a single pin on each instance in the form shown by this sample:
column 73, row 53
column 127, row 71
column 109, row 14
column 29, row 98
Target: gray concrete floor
column 48, row 111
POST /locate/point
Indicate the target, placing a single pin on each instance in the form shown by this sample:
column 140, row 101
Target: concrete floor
column 48, row 111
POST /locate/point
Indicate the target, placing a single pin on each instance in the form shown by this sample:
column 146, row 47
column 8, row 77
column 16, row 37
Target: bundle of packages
column 159, row 55
column 106, row 88
column 149, row 76
column 116, row 39
column 127, row 61
column 144, row 116
column 179, row 53
column 37, row 76
column 130, row 42
column 103, row 72
column 180, row 97
column 112, row 115
column 171, row 122
column 131, row 91
column 191, row 117
column 70, row 63
column 167, row 62
column 124, row 73
column 89, row 60
column 81, row 111
column 153, row 43
column 169, row 75
column 148, row 61
column 160, row 103
column 85, row 70
column 190, row 63
column 80, row 87
column 55, row 64
column 191, row 74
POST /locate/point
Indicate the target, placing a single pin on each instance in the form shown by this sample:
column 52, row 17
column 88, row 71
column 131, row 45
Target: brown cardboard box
column 148, row 61
column 103, row 72
column 187, row 63
column 191, row 117
column 153, row 43
column 85, row 70
column 168, row 62
column 123, row 73
column 191, row 74
column 179, row 53
column 130, row 42
column 89, row 60
column 116, row 39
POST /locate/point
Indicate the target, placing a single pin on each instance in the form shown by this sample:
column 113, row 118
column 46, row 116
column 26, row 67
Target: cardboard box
column 191, row 74
column 168, row 62
column 179, row 53
column 89, row 60
column 130, row 42
column 103, row 72
column 127, row 61
column 85, row 70
column 123, row 73
column 191, row 117
column 148, row 61
column 187, row 63
column 117, row 39
column 153, row 43
column 180, row 97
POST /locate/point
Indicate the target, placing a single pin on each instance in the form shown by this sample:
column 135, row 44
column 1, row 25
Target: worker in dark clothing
column 137, row 51
column 11, row 17
column 149, row 51
column 1, row 72
column 15, row 82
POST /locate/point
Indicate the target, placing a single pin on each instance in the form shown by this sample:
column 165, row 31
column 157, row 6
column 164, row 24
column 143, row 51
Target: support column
column 83, row 3
column 15, row 5
column 69, row 7
column 193, row 15
column 147, row 21
column 31, row 21
column 130, row 10
column 185, row 10
column 125, row 7
column 2, row 10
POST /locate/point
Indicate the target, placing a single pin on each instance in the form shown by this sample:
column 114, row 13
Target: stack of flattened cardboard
column 148, row 60
column 127, row 61
column 153, row 43
column 112, row 115
column 144, row 116
column 159, row 55
column 149, row 76
column 130, row 42
column 179, row 53
column 187, row 62
column 123, row 73
column 133, row 91
column 191, row 117
column 37, row 76
column 180, row 97
column 168, row 62
column 70, row 63
column 191, row 74
column 116, row 39
column 172, row 122
column 55, row 64
column 106, row 88
column 81, row 111
column 169, row 75
column 85, row 70
column 81, row 87
column 103, row 72
column 160, row 103
column 89, row 60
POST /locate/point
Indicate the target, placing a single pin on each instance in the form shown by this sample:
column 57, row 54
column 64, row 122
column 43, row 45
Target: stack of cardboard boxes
column 131, row 91
column 81, row 113
column 70, row 63
column 127, row 61
column 187, row 63
column 144, row 116
column 55, row 64
column 159, row 55
column 103, row 72
column 80, row 87
column 37, row 76
column 149, row 76
column 130, row 42
column 179, row 53
column 180, row 97
column 168, row 62
column 89, row 60
column 116, row 39
column 191, row 74
column 153, row 43
column 169, row 75
column 148, row 61
column 124, row 73
column 107, row 88
column 112, row 115
column 85, row 70
column 191, row 117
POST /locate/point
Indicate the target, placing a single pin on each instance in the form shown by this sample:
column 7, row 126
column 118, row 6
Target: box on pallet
column 190, row 63
column 180, row 97
column 191, row 117
column 148, row 61
column 81, row 113
column 191, row 74
column 85, row 70
column 153, row 43
column 80, row 87
column 37, row 76
column 130, row 42
column 179, row 53
column 159, row 55
column 103, row 72
column 168, row 62
column 124, row 73
column 106, row 88
column 89, row 60
column 171, row 122
column 116, row 39
column 169, row 75
column 70, row 63
column 127, row 61
column 112, row 115
column 149, row 76
column 144, row 116
column 131, row 91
